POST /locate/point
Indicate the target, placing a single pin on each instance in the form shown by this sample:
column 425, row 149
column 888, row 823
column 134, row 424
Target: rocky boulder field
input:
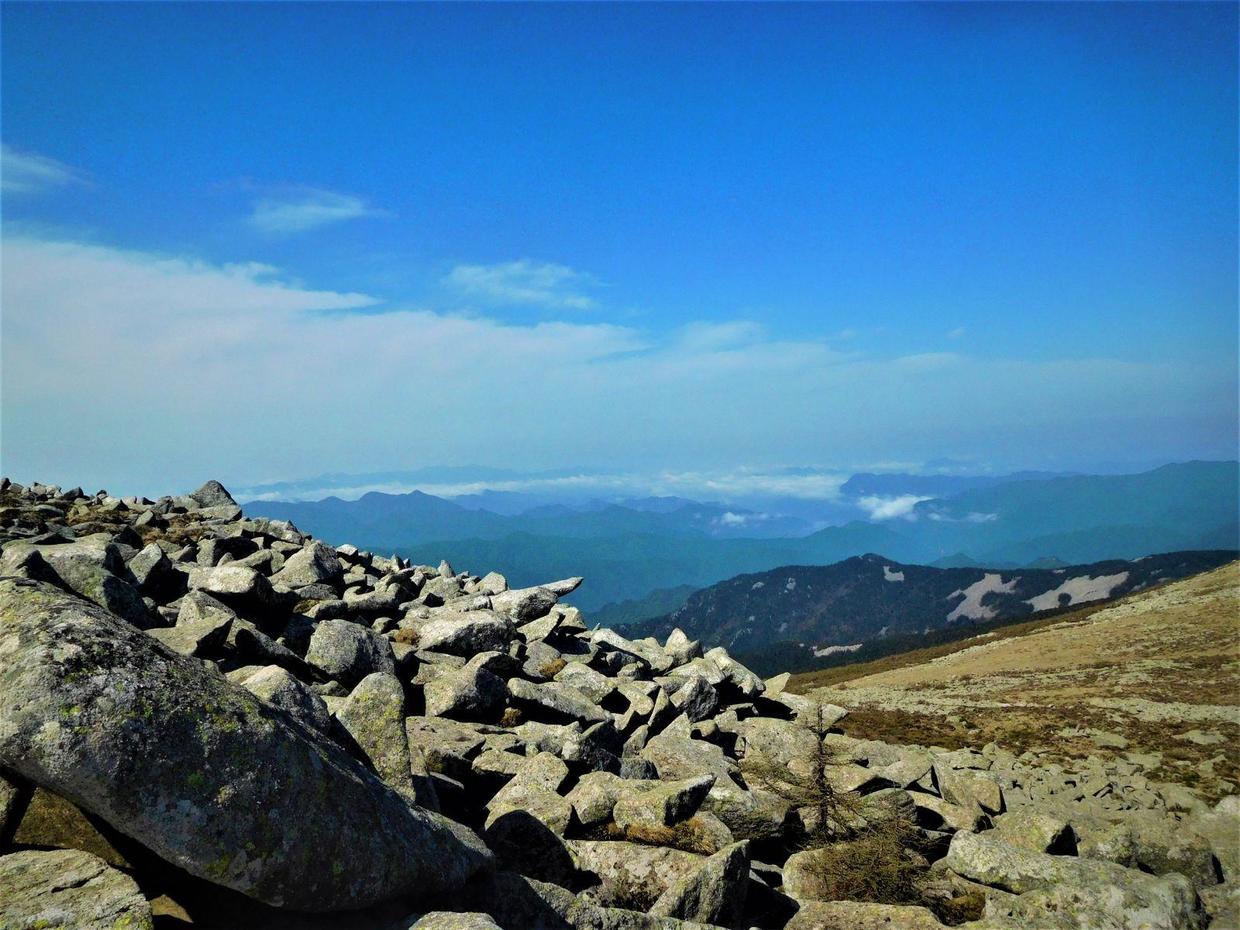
column 214, row 721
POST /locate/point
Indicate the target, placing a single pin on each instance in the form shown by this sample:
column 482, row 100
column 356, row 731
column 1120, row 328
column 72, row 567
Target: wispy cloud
column 891, row 508
column 28, row 173
column 526, row 282
column 307, row 208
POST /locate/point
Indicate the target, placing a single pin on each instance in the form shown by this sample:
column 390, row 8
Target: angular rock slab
column 200, row 770
column 71, row 889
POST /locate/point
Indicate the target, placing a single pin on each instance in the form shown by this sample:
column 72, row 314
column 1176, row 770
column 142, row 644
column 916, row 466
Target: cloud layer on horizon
column 144, row 372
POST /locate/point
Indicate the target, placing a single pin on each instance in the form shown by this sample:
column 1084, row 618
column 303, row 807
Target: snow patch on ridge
column 972, row 606
column 1080, row 590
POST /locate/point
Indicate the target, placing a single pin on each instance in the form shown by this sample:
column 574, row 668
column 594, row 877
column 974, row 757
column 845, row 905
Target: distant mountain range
column 628, row 548
column 815, row 612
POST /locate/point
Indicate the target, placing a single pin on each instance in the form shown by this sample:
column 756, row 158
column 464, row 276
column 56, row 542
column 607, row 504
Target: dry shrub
column 408, row 637
column 875, row 866
column 624, row 891
column 552, row 668
column 961, row 909
column 687, row 835
column 512, row 717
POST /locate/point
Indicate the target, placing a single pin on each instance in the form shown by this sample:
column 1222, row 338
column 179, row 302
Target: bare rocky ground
column 218, row 722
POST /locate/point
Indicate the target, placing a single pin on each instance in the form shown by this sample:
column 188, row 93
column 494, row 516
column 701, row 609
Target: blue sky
column 266, row 241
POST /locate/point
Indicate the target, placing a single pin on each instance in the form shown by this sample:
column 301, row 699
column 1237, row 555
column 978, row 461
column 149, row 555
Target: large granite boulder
column 348, row 651
column 1086, row 892
column 200, row 770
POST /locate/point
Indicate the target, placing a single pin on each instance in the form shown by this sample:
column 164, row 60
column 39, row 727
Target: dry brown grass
column 688, row 835
column 552, row 668
column 1161, row 669
column 406, row 636
column 511, row 717
column 805, row 682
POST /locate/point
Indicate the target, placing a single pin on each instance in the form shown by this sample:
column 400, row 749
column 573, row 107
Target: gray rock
column 92, row 568
column 447, row 920
column 1162, row 844
column 197, row 637
column 524, row 604
column 448, row 746
column 374, row 715
column 199, row 770
column 154, row 574
column 858, row 915
column 243, row 589
column 1036, row 831
column 280, row 689
column 556, row 699
column 632, row 875
column 311, row 565
column 69, row 889
column 594, row 797
column 466, row 634
column 681, row 648
column 714, row 894
column 661, row 803
column 14, row 796
column 696, row 699
column 470, row 693
column 348, row 652
column 1089, row 893
column 967, row 788
column 212, row 494
column 593, row 684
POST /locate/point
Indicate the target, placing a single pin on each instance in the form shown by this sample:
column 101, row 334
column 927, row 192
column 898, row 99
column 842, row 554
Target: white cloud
column 306, row 209
column 145, row 373
column 28, row 173
column 956, row 333
column 891, row 508
column 525, row 282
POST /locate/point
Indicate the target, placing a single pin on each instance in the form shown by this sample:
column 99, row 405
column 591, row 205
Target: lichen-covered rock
column 92, row 568
column 67, row 889
column 374, row 715
column 1089, row 893
column 280, row 689
column 313, row 564
column 662, row 803
column 858, row 915
column 714, row 894
column 555, row 699
column 447, row 920
column 466, row 634
column 200, row 770
column 473, row 692
column 348, row 651
column 1036, row 830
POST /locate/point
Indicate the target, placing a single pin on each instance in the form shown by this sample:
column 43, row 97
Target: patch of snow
column 783, row 626
column 790, row 584
column 972, row 607
column 892, row 576
column 822, row 651
column 1080, row 590
column 757, row 585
